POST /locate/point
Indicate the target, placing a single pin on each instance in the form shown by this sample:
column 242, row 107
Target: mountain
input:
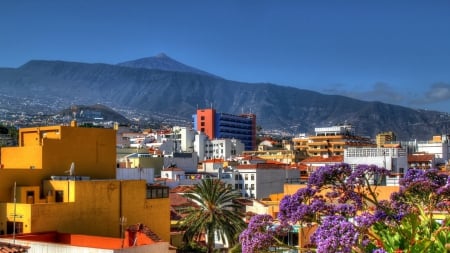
column 162, row 62
column 90, row 113
column 162, row 95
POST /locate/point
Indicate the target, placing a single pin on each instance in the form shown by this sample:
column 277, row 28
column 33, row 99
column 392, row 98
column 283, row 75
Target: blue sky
column 392, row 51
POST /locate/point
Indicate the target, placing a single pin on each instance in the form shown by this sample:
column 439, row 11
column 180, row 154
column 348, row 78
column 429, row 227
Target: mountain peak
column 163, row 62
column 161, row 55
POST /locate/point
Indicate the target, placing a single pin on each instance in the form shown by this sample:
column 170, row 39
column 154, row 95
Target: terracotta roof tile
column 320, row 159
column 181, row 189
column 172, row 169
column 216, row 160
column 420, row 158
column 177, row 200
column 12, row 248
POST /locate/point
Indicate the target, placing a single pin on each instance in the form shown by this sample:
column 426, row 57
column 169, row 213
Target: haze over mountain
column 143, row 86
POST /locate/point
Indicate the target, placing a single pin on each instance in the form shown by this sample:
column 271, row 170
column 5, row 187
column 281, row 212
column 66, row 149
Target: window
column 202, row 118
column 246, row 186
column 252, row 186
column 10, row 226
column 202, row 124
column 59, row 196
column 157, row 192
column 246, row 176
column 236, row 186
column 30, row 197
column 252, row 177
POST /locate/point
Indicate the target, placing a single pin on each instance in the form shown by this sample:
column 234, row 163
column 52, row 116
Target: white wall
column 147, row 174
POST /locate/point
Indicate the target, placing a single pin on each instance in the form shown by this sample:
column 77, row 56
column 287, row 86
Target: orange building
column 206, row 119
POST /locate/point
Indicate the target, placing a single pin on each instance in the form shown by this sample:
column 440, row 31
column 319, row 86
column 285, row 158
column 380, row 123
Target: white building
column 182, row 138
column 439, row 147
column 258, row 179
column 147, row 174
column 393, row 159
column 217, row 149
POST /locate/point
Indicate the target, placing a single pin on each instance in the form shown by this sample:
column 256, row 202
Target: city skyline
column 394, row 52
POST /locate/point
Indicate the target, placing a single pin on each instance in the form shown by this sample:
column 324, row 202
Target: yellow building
column 300, row 143
column 385, row 137
column 36, row 193
column 331, row 141
column 279, row 155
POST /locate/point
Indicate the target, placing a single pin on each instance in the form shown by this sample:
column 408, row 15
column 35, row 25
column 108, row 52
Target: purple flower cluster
column 335, row 234
column 329, row 174
column 363, row 173
column 365, row 220
column 428, row 180
column 344, row 204
column 424, row 187
column 258, row 235
column 300, row 206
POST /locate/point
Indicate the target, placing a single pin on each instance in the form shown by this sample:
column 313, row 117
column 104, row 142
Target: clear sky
column 392, row 51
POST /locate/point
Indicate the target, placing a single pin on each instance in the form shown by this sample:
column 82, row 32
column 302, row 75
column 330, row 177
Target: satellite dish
column 71, row 171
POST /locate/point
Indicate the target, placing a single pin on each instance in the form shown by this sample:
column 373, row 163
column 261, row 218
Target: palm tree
column 216, row 213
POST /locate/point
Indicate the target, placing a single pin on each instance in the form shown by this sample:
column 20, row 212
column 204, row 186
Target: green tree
column 216, row 213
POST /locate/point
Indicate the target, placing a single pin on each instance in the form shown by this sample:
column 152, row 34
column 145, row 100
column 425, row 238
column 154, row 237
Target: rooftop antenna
column 71, row 171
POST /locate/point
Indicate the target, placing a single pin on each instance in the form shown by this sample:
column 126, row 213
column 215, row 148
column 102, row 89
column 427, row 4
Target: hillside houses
column 134, row 173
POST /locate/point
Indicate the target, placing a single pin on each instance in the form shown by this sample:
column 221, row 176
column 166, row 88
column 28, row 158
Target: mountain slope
column 177, row 94
column 162, row 62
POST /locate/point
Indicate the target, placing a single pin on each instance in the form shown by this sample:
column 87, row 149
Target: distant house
column 257, row 178
column 421, row 161
column 310, row 164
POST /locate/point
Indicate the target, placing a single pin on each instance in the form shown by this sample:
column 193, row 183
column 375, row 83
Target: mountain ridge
column 163, row 94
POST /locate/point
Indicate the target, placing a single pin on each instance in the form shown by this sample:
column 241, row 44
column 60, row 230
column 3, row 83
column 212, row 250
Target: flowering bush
column 343, row 202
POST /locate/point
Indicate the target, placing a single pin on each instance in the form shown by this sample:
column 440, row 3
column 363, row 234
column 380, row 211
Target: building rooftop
column 320, row 159
column 420, row 158
column 12, row 248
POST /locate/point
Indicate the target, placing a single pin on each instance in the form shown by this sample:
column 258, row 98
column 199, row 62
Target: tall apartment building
column 226, row 126
column 385, row 138
column 331, row 141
